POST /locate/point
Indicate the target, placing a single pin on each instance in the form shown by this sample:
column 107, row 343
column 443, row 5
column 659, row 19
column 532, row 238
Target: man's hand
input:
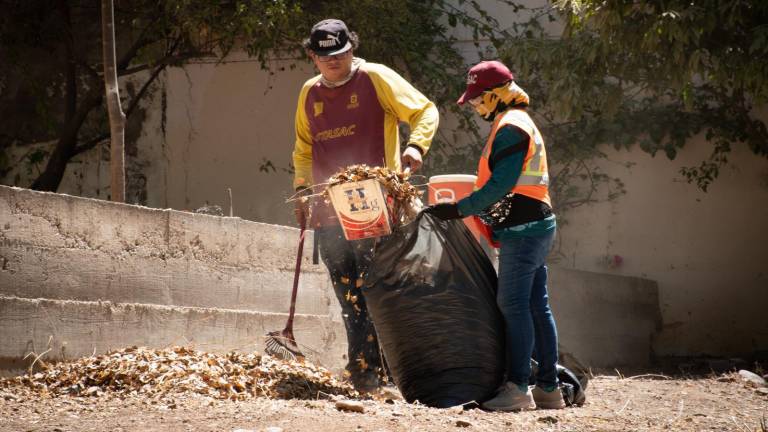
column 301, row 206
column 411, row 157
column 444, row 211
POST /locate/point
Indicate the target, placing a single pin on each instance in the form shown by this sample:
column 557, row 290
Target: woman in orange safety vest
column 512, row 199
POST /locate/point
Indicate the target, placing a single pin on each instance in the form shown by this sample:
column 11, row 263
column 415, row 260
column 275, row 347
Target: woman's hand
column 444, row 211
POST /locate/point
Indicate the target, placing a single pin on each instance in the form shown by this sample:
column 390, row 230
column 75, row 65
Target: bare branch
column 138, row 44
column 91, row 72
column 93, row 142
column 136, row 99
column 166, row 61
column 51, row 177
column 70, row 98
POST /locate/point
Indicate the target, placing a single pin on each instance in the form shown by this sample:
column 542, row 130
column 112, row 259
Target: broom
column 282, row 344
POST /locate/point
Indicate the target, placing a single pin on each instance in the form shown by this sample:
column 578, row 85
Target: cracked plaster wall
column 79, row 275
column 706, row 250
column 95, row 258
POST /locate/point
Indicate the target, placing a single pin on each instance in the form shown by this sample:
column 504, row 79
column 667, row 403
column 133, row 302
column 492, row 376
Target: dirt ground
column 650, row 403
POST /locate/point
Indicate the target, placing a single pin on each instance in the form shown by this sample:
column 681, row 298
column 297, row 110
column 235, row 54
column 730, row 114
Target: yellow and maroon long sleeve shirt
column 357, row 123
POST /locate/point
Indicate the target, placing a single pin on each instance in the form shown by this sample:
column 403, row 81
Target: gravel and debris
column 155, row 390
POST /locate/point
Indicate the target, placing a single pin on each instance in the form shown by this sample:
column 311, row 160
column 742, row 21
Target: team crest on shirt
column 318, row 108
column 353, row 101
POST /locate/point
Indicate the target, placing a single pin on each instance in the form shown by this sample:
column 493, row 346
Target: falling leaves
column 139, row 370
column 361, row 363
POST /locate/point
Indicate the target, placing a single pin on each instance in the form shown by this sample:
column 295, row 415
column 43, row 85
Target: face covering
column 356, row 63
column 487, row 108
column 498, row 99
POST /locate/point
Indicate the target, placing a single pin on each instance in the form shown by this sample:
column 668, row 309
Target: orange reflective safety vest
column 534, row 179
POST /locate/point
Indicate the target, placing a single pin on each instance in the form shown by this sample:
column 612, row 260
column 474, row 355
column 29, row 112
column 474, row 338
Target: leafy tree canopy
column 621, row 73
column 51, row 83
column 653, row 73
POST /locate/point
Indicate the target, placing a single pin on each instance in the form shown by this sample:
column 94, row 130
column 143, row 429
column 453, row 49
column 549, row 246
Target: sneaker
column 511, row 398
column 548, row 399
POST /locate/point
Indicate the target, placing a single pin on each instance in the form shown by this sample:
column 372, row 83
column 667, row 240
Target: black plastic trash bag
column 431, row 292
column 572, row 386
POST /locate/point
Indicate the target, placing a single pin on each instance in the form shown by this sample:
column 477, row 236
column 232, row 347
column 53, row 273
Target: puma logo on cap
column 331, row 41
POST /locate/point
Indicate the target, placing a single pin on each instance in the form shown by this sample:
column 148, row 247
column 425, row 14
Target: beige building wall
column 222, row 125
column 706, row 250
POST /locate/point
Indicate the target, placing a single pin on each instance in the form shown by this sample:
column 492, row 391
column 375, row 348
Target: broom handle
column 292, row 311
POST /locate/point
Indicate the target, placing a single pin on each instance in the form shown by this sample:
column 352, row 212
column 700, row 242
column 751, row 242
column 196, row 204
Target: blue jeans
column 523, row 300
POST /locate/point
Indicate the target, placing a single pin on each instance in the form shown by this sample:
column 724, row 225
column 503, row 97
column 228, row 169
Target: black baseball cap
column 329, row 37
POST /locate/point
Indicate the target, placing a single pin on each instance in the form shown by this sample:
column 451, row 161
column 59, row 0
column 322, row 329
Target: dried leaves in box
column 404, row 196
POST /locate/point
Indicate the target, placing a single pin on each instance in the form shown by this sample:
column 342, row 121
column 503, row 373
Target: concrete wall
column 94, row 274
column 80, row 275
column 73, row 329
column 222, row 125
column 706, row 250
column 604, row 320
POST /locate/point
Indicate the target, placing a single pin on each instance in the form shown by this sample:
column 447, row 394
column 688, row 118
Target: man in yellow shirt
column 349, row 114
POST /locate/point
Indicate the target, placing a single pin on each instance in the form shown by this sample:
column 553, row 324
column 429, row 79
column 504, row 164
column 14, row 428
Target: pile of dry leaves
column 138, row 370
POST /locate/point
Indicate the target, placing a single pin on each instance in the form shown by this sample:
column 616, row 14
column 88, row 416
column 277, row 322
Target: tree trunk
column 50, row 178
column 116, row 115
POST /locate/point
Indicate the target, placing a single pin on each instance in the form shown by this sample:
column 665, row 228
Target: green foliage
column 411, row 36
column 417, row 38
column 624, row 73
column 655, row 73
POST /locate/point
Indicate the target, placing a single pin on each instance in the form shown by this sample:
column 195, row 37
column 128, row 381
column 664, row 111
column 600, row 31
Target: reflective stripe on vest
column 534, row 179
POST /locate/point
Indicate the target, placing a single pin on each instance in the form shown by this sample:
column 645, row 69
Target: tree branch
column 161, row 65
column 136, row 99
column 51, row 177
column 166, row 61
column 70, row 74
column 138, row 44
column 93, row 142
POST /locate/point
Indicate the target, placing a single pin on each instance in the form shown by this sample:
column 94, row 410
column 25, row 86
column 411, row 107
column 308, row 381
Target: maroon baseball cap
column 483, row 76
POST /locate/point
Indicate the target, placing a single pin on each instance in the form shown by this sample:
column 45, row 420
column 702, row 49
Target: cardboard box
column 361, row 208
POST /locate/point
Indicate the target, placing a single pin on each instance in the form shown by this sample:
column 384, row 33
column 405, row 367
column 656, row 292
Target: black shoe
column 366, row 382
